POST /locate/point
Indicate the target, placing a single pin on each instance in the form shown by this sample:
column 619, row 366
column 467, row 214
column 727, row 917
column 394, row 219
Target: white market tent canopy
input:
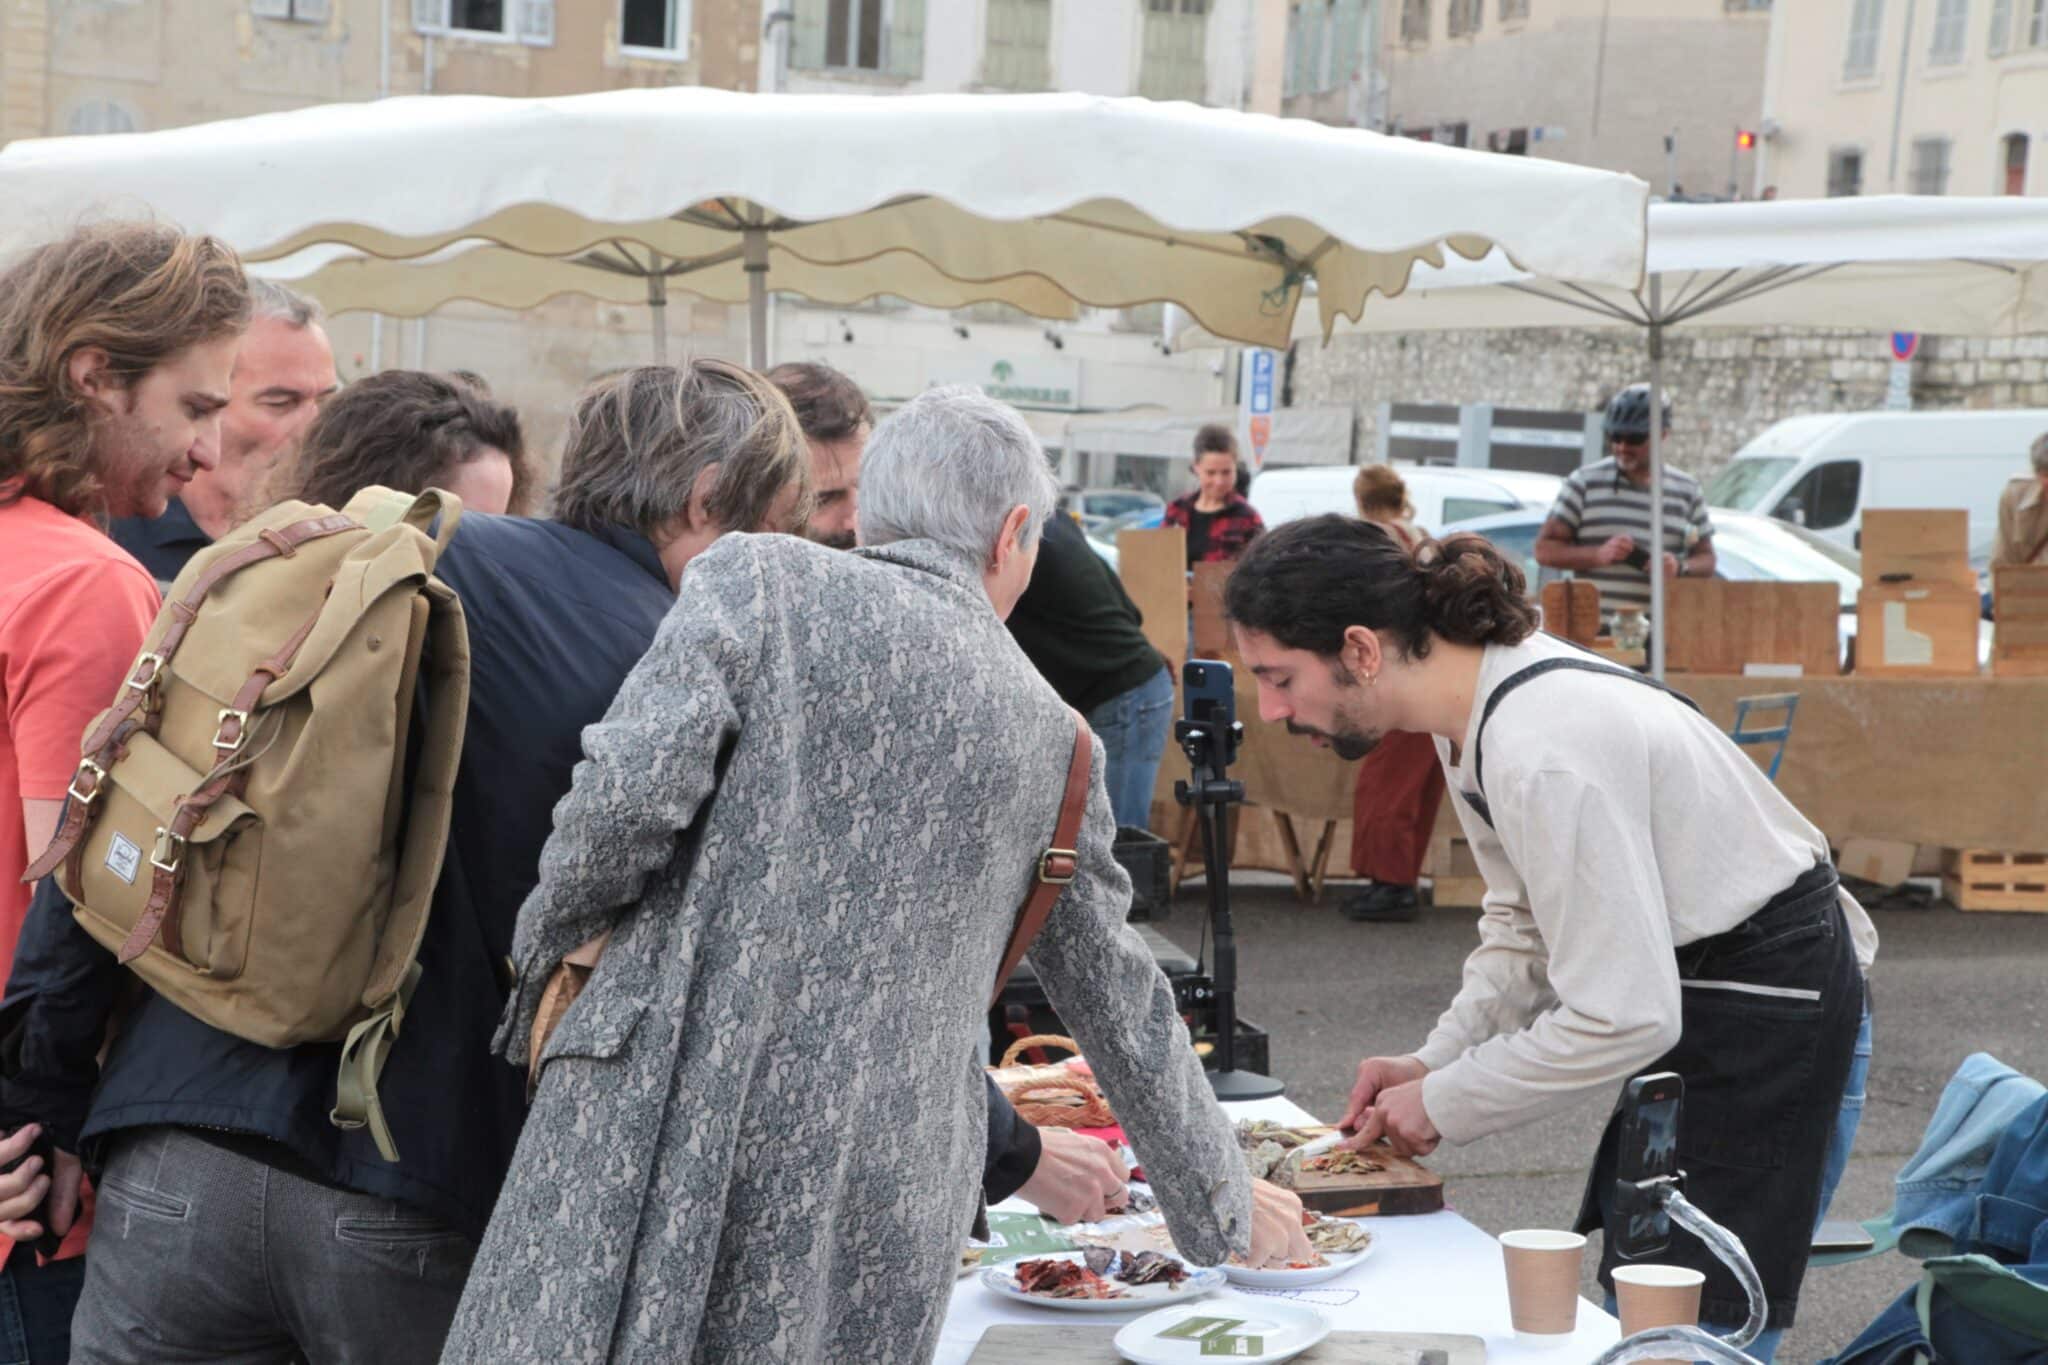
column 1048, row 202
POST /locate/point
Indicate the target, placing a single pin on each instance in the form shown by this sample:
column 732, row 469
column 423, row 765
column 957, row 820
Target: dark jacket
column 557, row 618
column 164, row 543
column 1078, row 626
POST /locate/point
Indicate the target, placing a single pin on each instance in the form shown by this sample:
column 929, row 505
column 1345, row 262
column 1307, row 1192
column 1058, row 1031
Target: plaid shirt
column 1230, row 530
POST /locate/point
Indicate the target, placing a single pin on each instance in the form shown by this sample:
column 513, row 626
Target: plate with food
column 1339, row 1243
column 1101, row 1280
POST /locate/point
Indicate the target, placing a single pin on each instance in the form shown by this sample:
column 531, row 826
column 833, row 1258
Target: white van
column 1442, row 494
column 1823, row 472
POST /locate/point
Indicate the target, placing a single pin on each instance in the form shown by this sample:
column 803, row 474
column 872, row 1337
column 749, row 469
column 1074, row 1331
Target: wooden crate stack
column 1978, row 879
column 1916, row 616
column 2019, row 640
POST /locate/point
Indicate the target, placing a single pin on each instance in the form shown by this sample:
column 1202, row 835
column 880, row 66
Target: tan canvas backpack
column 243, row 832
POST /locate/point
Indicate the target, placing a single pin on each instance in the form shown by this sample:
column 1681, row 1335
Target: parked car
column 1442, row 494
column 1747, row 547
column 1824, row 472
column 1093, row 506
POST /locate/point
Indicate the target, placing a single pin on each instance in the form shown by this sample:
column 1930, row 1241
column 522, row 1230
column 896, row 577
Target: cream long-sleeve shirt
column 1625, row 826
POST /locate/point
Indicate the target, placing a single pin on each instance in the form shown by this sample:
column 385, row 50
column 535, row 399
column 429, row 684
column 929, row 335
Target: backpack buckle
column 168, row 854
column 222, row 740
column 144, row 681
column 92, row 793
column 1058, row 866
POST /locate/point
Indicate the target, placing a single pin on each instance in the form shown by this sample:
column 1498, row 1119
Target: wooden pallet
column 1977, row 879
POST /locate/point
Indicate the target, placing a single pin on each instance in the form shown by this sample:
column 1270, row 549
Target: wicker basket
column 1050, row 1096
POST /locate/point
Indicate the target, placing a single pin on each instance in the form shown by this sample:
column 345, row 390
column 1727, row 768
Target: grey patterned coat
column 810, row 815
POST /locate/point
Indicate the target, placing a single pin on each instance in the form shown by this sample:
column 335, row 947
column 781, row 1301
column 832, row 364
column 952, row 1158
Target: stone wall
column 1726, row 387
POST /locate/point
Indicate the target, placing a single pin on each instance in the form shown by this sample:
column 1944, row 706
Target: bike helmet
column 1628, row 414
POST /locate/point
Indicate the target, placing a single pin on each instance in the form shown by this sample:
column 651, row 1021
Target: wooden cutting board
column 1014, row 1344
column 1403, row 1186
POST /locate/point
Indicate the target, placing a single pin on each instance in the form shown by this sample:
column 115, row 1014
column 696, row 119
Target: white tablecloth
column 1427, row 1273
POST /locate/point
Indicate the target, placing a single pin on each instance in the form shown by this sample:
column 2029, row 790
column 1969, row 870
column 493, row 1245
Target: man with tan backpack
column 251, row 1208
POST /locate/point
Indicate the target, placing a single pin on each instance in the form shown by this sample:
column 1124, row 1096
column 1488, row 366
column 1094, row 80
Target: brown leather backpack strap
column 1059, row 864
column 228, row 777
column 141, row 682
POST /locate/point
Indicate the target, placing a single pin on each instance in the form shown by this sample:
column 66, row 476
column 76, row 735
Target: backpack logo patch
column 123, row 858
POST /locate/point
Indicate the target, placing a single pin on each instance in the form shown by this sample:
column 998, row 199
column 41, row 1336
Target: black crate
column 1149, row 860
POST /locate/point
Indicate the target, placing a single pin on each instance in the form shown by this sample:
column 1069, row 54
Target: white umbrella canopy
column 1962, row 267
column 1108, row 202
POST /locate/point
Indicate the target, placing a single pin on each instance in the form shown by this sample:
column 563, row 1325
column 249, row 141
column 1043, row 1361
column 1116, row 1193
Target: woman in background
column 1400, row 784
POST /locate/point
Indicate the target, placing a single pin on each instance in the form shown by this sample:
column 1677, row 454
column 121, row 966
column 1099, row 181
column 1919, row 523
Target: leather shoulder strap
column 1058, row 865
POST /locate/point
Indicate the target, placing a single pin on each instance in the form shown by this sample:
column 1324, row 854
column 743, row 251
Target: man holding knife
column 1653, row 903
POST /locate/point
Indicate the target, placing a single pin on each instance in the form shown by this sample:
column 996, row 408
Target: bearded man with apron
column 1653, row 902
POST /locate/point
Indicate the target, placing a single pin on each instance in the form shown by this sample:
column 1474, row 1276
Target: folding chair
column 1745, row 733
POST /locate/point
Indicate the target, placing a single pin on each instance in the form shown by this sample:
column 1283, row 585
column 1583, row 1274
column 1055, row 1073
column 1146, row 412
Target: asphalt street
column 1330, row 992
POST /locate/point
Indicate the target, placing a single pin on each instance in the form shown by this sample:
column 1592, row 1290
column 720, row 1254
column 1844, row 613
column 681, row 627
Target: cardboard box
column 1887, row 862
column 1926, row 546
column 2019, row 639
column 1917, row 630
column 1571, row 609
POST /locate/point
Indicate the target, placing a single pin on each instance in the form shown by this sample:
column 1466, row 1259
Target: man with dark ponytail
column 1653, row 902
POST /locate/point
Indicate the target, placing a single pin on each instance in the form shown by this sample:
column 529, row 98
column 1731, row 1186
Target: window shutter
column 1350, row 26
column 271, row 9
column 906, row 39
column 807, row 34
column 2001, row 27
column 430, row 16
column 537, row 22
column 312, row 11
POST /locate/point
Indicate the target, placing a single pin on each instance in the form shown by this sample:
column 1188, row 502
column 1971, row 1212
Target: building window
column 1845, row 172
column 1745, row 6
column 2014, row 164
column 2037, row 23
column 530, row 21
column 95, row 117
column 1928, row 173
column 298, row 11
column 1511, row 10
column 2001, row 27
column 1866, row 22
column 1463, row 16
column 885, row 36
column 1506, row 141
column 1176, row 56
column 655, row 26
column 1414, row 21
column 1951, row 27
column 1018, row 55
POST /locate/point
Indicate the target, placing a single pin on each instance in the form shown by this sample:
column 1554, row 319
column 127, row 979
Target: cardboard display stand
column 1922, row 546
column 2019, row 641
column 1571, row 610
column 1916, row 630
column 1722, row 626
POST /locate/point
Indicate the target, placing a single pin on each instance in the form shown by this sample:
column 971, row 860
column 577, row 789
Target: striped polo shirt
column 1597, row 501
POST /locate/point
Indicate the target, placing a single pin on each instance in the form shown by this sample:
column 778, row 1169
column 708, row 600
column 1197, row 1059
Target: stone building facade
column 1726, row 386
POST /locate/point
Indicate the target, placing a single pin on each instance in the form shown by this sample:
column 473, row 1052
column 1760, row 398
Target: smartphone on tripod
column 1647, row 1156
column 1209, row 692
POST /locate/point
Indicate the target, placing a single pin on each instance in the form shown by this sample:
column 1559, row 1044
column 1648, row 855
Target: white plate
column 1002, row 1282
column 1334, row 1266
column 1285, row 1331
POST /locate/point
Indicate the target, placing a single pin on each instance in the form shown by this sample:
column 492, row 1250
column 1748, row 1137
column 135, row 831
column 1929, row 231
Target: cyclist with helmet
column 1599, row 527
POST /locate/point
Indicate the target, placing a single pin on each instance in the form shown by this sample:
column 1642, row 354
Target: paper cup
column 1657, row 1296
column 1543, row 1283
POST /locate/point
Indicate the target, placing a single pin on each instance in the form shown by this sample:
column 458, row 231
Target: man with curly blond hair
column 115, row 349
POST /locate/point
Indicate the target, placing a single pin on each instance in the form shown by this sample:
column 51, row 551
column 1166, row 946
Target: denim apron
column 1770, row 1012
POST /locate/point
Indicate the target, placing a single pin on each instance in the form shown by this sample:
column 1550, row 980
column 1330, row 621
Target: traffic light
column 1745, row 140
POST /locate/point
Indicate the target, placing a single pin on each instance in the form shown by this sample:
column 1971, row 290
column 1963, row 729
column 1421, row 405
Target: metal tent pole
column 1657, row 631
column 754, row 245
column 657, row 307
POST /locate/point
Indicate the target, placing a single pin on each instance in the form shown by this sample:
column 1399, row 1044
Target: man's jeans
column 201, row 1253
column 1850, row 1117
column 1132, row 728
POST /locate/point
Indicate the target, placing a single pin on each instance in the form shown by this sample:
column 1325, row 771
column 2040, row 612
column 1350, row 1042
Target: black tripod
column 1211, row 749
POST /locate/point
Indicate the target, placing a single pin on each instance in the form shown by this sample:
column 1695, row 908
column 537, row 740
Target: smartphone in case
column 1648, row 1151
column 1209, row 692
